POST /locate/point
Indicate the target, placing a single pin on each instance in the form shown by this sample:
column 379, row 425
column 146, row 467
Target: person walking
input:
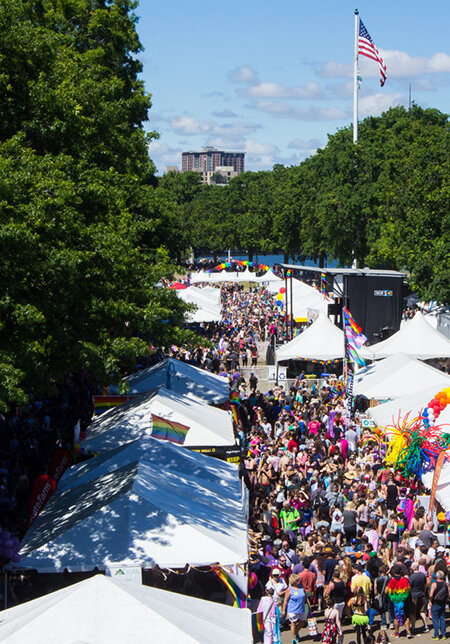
column 360, row 620
column 439, row 592
column 294, row 606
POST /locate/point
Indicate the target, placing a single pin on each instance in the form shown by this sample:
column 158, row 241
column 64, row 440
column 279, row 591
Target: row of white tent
column 139, row 503
column 104, row 610
column 324, row 341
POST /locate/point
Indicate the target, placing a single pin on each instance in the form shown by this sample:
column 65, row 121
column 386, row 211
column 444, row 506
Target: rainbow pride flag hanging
column 168, row 430
column 238, row 595
column 103, row 403
column 258, row 622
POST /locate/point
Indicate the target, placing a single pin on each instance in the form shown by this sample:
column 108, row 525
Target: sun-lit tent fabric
column 387, row 412
column 142, row 515
column 103, row 610
column 398, row 376
column 208, row 426
column 270, row 281
column 182, row 378
column 321, row 341
column 207, row 303
column 417, row 339
column 305, row 298
column 443, row 487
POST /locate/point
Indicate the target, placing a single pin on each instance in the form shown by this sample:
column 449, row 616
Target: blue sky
column 273, row 79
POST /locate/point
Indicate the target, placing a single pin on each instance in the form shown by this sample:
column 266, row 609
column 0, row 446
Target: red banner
column 61, row 460
column 42, row 490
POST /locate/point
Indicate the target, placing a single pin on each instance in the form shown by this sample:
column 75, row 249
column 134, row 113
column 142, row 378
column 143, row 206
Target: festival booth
column 306, row 300
column 107, row 610
column 416, row 339
column 145, row 505
column 185, row 421
column 322, row 341
column 397, row 376
column 206, row 300
column 181, row 378
column 270, row 281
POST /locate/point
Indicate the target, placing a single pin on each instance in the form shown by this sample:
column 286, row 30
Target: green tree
column 76, row 182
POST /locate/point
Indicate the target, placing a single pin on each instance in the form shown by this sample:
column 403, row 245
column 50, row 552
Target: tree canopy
column 76, row 195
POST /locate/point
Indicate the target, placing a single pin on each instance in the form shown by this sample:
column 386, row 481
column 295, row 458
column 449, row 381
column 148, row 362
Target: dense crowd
column 333, row 530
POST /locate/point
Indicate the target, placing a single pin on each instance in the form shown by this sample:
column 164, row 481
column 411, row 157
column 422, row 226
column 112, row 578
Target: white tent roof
column 137, row 513
column 321, row 341
column 109, row 611
column 413, row 403
column 208, row 426
column 207, row 301
column 443, row 487
column 397, row 376
column 181, row 378
column 304, row 298
column 417, row 339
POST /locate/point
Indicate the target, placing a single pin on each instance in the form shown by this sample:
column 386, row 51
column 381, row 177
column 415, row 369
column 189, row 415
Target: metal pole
column 292, row 309
column 355, row 80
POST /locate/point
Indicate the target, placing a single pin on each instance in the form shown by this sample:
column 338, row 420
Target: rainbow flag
column 103, row 403
column 237, row 594
column 234, row 396
column 258, row 622
column 168, row 430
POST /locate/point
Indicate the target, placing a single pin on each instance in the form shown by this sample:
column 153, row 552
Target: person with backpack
column 438, row 595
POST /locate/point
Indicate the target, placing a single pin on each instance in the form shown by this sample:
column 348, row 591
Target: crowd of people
column 335, row 533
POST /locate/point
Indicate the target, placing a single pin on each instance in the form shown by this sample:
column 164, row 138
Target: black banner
column 231, row 454
column 350, row 378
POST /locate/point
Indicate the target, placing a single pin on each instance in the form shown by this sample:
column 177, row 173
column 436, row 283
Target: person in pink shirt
column 313, row 427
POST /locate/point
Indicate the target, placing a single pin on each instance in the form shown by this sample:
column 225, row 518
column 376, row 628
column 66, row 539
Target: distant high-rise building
column 208, row 159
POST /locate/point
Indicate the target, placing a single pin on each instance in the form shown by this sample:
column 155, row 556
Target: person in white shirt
column 279, row 586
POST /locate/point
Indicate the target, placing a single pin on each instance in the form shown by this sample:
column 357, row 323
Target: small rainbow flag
column 237, row 594
column 103, row 403
column 168, row 430
column 258, row 622
column 234, row 396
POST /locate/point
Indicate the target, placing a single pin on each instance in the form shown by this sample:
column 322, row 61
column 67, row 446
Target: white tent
column 206, row 300
column 385, row 414
column 182, row 378
column 208, row 426
column 443, row 487
column 105, row 611
column 305, row 298
column 397, row 376
column 137, row 513
column 321, row 341
column 417, row 339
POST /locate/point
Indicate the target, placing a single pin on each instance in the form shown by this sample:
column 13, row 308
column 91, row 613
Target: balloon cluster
column 280, row 296
column 9, row 546
column 431, row 412
column 239, row 262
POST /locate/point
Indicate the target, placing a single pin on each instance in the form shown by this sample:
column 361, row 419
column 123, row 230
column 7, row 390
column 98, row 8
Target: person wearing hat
column 278, row 585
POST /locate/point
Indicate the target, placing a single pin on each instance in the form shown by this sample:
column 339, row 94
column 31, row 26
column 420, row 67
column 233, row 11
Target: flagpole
column 355, row 80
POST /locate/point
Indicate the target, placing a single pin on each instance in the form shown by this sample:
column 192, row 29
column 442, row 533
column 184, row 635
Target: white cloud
column 333, row 69
column 252, row 146
column 243, row 74
column 190, row 126
column 225, row 114
column 399, row 65
column 274, row 90
column 402, row 65
column 284, row 110
column 375, row 104
column 301, row 144
column 163, row 155
column 341, row 90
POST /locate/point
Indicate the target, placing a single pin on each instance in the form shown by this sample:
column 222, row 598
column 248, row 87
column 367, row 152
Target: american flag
column 367, row 48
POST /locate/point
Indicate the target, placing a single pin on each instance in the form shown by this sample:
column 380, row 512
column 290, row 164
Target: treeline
column 383, row 202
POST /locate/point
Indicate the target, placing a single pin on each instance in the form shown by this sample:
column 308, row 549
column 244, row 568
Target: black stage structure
column 373, row 297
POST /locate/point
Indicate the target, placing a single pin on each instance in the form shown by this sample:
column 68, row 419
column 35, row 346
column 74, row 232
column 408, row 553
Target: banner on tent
column 42, row 490
column 231, row 454
column 61, row 460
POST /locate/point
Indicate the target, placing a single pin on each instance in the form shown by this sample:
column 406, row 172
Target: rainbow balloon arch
column 414, row 444
column 238, row 262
